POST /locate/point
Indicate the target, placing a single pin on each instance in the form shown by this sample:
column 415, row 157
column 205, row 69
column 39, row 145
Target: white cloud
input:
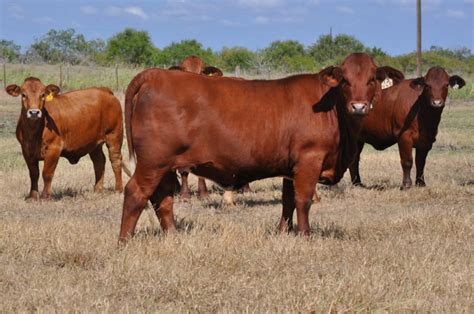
column 88, row 9
column 261, row 3
column 457, row 14
column 113, row 11
column 137, row 11
column 118, row 11
column 345, row 9
column 261, row 20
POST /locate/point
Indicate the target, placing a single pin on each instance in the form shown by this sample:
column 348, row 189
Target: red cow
column 196, row 65
column 70, row 125
column 302, row 128
column 408, row 114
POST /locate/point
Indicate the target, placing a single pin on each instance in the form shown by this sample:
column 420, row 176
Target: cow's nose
column 438, row 102
column 359, row 107
column 33, row 113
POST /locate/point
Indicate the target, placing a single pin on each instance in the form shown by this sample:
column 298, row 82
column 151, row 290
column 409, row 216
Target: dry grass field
column 377, row 249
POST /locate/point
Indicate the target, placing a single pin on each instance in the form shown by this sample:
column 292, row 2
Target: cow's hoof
column 246, row 189
column 204, row 196
column 420, row 183
column 405, row 187
column 359, row 185
column 33, row 197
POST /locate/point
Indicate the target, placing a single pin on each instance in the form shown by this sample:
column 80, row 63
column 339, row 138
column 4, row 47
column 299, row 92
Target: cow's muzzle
column 33, row 114
column 437, row 103
column 359, row 108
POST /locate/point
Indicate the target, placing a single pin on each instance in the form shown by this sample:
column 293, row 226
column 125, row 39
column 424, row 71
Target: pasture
column 376, row 249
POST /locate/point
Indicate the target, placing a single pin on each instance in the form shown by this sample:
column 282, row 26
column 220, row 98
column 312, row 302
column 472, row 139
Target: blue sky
column 389, row 24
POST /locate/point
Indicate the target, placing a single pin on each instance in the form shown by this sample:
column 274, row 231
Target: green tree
column 65, row 46
column 9, row 51
column 330, row 49
column 132, row 47
column 229, row 58
column 177, row 51
column 289, row 56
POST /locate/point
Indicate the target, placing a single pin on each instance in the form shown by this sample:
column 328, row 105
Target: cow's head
column 196, row 65
column 359, row 80
column 33, row 96
column 435, row 85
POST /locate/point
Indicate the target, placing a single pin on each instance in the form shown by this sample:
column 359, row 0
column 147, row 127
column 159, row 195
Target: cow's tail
column 130, row 99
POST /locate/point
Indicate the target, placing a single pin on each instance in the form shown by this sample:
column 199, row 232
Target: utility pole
column 418, row 38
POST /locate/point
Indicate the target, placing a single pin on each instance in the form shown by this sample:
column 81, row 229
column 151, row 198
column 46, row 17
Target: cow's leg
column 162, row 201
column 228, row 198
column 288, row 201
column 184, row 193
column 114, row 145
column 98, row 159
column 307, row 172
column 420, row 161
column 202, row 188
column 246, row 188
column 33, row 168
column 354, row 167
column 405, row 147
column 138, row 191
column 51, row 159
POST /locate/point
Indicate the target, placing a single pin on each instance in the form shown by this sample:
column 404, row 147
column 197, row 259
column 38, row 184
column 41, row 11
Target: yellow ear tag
column 49, row 97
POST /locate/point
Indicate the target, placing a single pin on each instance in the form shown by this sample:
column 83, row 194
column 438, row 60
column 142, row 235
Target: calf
column 408, row 114
column 302, row 128
column 70, row 125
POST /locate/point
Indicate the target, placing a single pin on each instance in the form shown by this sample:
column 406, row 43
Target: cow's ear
column 175, row 68
column 418, row 83
column 455, row 81
column 212, row 71
column 388, row 72
column 52, row 89
column 13, row 90
column 331, row 76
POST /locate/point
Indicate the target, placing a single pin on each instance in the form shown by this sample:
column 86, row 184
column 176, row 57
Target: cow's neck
column 428, row 119
column 349, row 128
column 32, row 130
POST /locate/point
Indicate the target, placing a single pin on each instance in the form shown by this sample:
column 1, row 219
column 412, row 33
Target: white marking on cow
column 456, row 86
column 388, row 82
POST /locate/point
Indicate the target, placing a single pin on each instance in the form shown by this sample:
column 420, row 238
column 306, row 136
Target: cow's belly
column 75, row 154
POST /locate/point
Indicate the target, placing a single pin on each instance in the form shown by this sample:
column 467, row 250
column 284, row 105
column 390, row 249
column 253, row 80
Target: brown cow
column 237, row 131
column 70, row 125
column 408, row 114
column 196, row 65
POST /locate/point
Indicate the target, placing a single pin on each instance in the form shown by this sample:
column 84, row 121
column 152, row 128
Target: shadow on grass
column 182, row 226
column 327, row 231
column 467, row 183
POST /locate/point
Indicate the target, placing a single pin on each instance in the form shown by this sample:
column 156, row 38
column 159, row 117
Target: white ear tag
column 388, row 82
column 456, row 86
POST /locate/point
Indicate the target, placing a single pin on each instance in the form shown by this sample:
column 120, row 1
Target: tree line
column 135, row 48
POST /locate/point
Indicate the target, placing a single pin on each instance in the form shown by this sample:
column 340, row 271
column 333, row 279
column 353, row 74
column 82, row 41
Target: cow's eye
column 371, row 81
column 345, row 82
column 23, row 95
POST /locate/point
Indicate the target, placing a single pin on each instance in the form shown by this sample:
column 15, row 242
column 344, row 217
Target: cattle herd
column 307, row 129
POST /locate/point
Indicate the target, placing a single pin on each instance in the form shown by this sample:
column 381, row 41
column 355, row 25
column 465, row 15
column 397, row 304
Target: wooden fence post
column 60, row 76
column 4, row 76
column 116, row 78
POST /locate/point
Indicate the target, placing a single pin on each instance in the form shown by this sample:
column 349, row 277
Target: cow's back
column 83, row 117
